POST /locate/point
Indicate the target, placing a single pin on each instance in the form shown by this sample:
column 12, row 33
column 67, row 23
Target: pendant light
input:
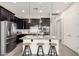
column 40, row 14
column 40, row 25
column 29, row 21
column 50, row 27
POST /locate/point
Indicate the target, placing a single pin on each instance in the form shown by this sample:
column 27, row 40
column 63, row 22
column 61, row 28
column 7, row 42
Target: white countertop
column 38, row 37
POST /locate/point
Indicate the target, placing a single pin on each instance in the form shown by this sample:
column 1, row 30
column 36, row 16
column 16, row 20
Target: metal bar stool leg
column 40, row 51
column 30, row 51
column 55, row 52
column 49, row 51
column 52, row 50
column 24, row 53
column 27, row 51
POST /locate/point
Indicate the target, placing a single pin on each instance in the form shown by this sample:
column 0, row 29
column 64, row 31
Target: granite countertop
column 37, row 37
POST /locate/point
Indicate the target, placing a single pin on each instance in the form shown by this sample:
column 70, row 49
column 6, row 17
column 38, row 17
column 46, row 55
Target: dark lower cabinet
column 10, row 46
column 18, row 38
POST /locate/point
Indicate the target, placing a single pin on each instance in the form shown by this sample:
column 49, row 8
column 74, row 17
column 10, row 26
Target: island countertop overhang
column 38, row 37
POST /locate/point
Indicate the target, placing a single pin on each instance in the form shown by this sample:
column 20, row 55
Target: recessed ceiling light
column 22, row 10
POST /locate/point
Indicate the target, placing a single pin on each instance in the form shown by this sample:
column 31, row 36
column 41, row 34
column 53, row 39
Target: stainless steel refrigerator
column 0, row 37
column 8, row 37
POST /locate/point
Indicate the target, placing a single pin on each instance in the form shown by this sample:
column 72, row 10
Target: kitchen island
column 34, row 39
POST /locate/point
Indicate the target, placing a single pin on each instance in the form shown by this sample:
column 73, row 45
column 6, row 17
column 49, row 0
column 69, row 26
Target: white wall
column 70, row 18
column 56, row 27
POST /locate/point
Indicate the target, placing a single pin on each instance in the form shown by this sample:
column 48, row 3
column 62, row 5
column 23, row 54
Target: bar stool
column 40, row 51
column 27, row 49
column 52, row 49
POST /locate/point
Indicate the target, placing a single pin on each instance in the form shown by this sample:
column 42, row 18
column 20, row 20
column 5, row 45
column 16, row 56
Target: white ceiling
column 45, row 7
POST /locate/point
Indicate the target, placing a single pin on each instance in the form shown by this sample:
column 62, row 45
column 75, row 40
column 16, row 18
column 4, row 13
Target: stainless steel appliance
column 8, row 37
column 0, row 38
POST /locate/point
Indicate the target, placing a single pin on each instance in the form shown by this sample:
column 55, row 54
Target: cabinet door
column 15, row 19
column 3, row 14
column 35, row 22
column 19, row 24
column 6, row 14
column 26, row 25
column 10, row 47
column 45, row 21
column 10, row 17
column 22, row 23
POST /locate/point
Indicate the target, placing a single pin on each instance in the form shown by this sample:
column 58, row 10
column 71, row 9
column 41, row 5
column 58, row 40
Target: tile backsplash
column 23, row 31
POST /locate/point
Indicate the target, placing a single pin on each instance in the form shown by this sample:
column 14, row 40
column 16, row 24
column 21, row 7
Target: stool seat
column 52, row 44
column 40, row 44
column 27, row 44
